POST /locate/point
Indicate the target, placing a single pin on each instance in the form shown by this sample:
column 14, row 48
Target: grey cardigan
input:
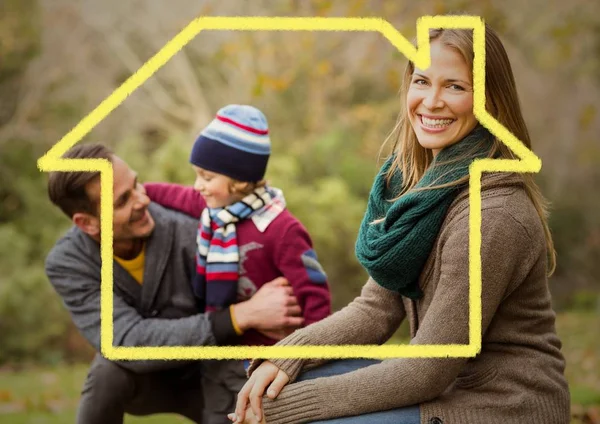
column 161, row 312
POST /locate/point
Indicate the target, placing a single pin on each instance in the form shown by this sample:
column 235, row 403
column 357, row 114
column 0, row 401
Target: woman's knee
column 407, row 415
column 337, row 367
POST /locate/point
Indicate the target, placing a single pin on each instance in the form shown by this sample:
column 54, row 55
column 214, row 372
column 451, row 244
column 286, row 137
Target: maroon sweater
column 283, row 249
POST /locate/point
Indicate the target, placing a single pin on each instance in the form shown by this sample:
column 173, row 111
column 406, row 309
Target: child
column 246, row 236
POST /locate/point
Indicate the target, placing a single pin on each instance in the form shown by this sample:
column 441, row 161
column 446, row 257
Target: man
column 153, row 301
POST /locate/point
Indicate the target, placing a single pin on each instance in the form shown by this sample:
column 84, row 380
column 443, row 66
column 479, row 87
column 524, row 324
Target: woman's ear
column 87, row 223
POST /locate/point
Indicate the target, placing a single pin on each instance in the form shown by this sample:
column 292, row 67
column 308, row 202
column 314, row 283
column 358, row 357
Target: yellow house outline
column 527, row 162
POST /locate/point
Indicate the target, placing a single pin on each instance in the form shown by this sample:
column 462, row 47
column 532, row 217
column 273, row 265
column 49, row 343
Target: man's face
column 131, row 219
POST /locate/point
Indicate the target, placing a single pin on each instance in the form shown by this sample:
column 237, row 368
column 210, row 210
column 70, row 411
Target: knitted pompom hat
column 236, row 143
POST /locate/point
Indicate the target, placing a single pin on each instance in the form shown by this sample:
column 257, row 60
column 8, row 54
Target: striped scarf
column 217, row 253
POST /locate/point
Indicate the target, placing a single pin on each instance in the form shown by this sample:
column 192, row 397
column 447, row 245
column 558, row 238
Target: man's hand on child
column 273, row 307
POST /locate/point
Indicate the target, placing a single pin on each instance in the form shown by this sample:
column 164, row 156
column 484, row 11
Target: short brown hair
column 245, row 188
column 67, row 189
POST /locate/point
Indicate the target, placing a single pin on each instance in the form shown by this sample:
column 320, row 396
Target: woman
column 415, row 248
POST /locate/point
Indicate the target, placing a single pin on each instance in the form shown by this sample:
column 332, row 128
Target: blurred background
column 331, row 100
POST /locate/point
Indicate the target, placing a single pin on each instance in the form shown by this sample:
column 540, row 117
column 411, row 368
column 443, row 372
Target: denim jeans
column 407, row 415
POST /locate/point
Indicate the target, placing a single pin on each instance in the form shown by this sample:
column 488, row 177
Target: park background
column 331, row 100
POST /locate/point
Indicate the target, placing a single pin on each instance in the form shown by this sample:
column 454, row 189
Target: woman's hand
column 250, row 418
column 267, row 374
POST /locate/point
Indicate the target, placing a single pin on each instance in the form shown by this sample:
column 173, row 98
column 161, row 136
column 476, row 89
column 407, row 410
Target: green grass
column 50, row 396
column 578, row 332
column 69, row 417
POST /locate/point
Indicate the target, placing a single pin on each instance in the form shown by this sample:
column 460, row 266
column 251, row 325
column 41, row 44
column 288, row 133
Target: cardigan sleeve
column 400, row 382
column 371, row 318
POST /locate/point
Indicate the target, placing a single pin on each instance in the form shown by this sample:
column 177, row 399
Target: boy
column 246, row 236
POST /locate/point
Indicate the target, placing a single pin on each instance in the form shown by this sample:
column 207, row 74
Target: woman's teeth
column 436, row 123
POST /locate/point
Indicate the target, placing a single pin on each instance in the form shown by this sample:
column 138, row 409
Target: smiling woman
column 440, row 100
column 414, row 243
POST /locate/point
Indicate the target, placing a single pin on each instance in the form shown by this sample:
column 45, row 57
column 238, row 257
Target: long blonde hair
column 502, row 102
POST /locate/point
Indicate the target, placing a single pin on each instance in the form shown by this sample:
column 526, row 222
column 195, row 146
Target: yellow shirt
column 135, row 266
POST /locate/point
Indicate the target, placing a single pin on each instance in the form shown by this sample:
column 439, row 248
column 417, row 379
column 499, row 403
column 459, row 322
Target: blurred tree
column 331, row 100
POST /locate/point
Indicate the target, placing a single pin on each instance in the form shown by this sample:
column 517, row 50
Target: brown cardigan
column 518, row 377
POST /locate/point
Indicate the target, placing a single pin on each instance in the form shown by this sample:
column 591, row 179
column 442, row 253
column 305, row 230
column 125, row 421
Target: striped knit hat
column 236, row 143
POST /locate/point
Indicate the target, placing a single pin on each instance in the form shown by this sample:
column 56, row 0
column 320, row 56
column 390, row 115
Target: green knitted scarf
column 394, row 251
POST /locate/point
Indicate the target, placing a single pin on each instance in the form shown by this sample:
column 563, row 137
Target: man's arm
column 80, row 291
column 177, row 197
column 272, row 307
